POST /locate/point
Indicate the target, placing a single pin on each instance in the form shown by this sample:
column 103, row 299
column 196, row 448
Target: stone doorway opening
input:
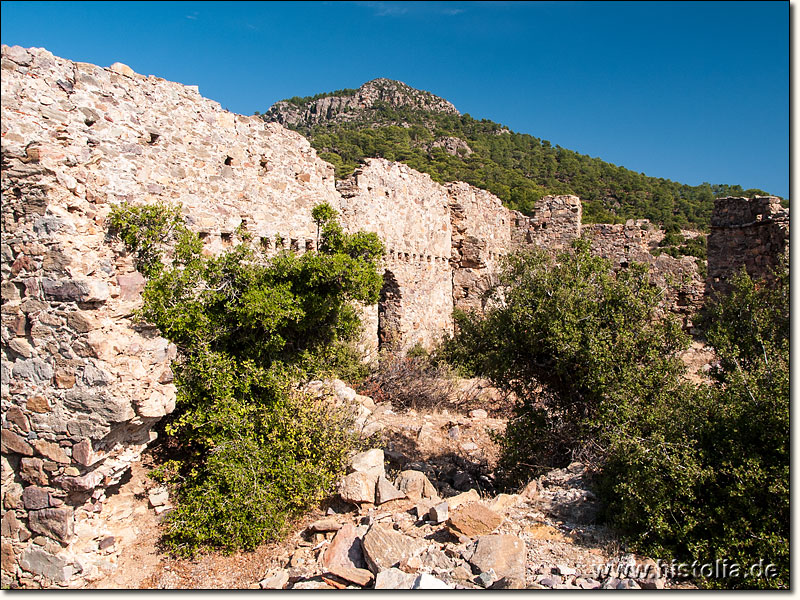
column 389, row 313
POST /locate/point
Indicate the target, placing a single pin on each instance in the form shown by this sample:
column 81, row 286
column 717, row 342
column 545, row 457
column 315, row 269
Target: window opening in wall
column 228, row 160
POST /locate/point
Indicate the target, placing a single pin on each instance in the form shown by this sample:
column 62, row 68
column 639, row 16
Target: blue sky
column 690, row 91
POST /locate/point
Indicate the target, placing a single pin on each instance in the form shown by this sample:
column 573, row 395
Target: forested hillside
column 518, row 168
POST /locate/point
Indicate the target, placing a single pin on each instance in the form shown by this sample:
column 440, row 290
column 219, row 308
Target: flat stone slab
column 324, row 525
column 505, row 554
column 394, row 579
column 385, row 548
column 344, row 550
column 360, row 577
column 474, row 519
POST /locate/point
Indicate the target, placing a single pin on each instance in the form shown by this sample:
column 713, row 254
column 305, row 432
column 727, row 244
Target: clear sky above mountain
column 690, row 91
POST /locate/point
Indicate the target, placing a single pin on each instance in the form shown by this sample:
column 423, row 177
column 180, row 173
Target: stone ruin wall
column 410, row 213
column 481, row 237
column 82, row 385
column 624, row 244
column 555, row 223
column 753, row 233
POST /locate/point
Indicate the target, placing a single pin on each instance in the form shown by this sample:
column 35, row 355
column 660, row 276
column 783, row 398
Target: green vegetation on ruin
column 685, row 471
column 254, row 451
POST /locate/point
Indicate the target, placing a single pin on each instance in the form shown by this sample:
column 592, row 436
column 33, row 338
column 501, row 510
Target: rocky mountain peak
column 355, row 104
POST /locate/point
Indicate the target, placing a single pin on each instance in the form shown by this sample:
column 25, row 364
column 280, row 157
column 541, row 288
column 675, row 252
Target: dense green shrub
column 254, row 451
column 574, row 342
column 686, row 472
column 712, row 482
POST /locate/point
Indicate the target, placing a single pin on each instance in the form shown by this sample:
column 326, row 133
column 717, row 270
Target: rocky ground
column 418, row 511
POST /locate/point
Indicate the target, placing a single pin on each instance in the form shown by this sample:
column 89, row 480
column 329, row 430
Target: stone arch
column 389, row 313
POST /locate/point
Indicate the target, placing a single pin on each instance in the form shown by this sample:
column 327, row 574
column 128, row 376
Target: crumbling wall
column 555, row 223
column 624, row 244
column 753, row 233
column 81, row 384
column 410, row 213
column 481, row 238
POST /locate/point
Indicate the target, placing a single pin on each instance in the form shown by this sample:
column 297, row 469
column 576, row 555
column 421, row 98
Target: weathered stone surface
column 345, row 550
column 315, row 583
column 425, row 581
column 325, row 525
column 39, row 562
column 415, row 485
column 12, row 495
column 11, row 442
column 360, row 577
column 502, row 502
column 122, row 69
column 394, row 579
column 19, row 55
column 531, row 490
column 438, row 513
column 474, row 519
column 34, row 497
column 10, row 525
column 15, row 415
column 53, row 522
column 275, row 581
column 478, row 413
column 130, row 286
column 369, row 462
column 158, row 497
column 357, row 487
column 8, row 559
column 385, row 548
column 454, row 502
column 505, row 554
column 385, row 491
column 83, row 454
column 38, row 404
column 51, row 451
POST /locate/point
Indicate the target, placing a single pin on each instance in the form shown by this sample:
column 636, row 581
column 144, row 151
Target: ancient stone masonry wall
column 481, row 238
column 410, row 213
column 632, row 242
column 556, row 222
column 753, row 233
column 81, row 385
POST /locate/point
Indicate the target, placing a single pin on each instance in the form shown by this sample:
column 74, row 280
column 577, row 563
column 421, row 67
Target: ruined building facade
column 83, row 384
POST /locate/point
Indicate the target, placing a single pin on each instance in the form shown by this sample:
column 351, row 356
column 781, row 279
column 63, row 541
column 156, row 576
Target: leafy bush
column 574, row 342
column 254, row 451
column 686, row 472
column 711, row 482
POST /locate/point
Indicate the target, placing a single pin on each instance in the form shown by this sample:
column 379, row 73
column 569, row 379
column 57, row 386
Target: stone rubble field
column 417, row 511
